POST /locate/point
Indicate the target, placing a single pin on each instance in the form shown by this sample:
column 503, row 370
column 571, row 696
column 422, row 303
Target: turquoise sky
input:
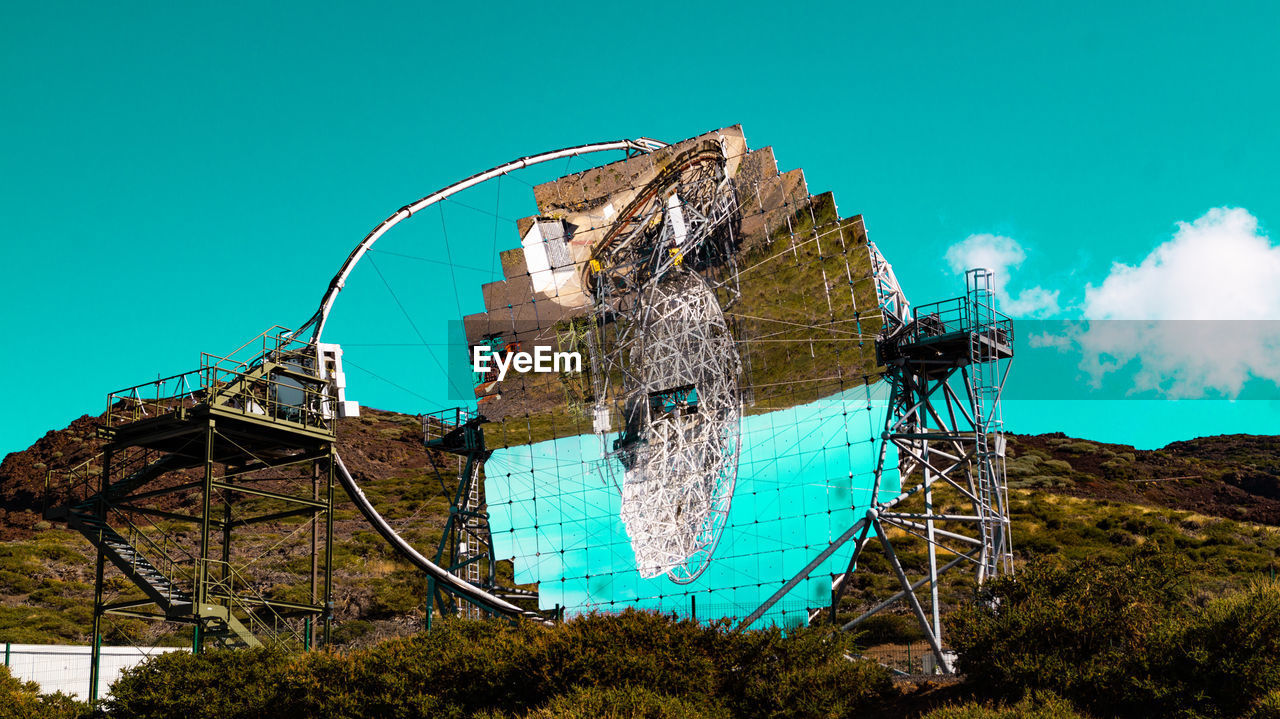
column 174, row 180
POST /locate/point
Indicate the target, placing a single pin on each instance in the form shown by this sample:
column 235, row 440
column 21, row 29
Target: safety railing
column 281, row 389
column 283, row 382
column 82, row 482
column 435, row 425
column 955, row 316
column 222, row 581
column 76, row 484
column 176, row 570
column 155, row 399
column 75, row 487
column 274, row 339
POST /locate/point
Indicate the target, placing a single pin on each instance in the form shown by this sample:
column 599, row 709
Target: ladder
column 988, row 424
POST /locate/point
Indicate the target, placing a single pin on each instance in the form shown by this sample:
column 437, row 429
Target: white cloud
column 1002, row 255
column 1033, row 302
column 1201, row 310
column 1216, row 268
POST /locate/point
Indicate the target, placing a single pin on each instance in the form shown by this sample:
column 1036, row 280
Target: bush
column 804, row 674
column 1120, row 639
column 1225, row 656
column 351, row 631
column 1267, row 708
column 1078, row 628
column 1039, row 705
column 624, row 703
column 223, row 683
column 889, row 629
column 634, row 664
column 23, row 700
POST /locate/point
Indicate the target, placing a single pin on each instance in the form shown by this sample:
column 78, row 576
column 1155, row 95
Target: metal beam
column 802, row 574
column 919, row 583
column 911, row 596
column 269, row 495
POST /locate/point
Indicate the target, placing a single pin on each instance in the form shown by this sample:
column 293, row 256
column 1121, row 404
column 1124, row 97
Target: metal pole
column 226, row 538
column 96, row 659
column 911, row 596
column 315, row 550
column 431, row 599
column 931, row 545
column 99, row 568
column 205, row 519
column 328, row 553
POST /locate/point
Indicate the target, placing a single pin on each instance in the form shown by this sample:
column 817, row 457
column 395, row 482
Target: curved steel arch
column 321, row 316
column 452, row 583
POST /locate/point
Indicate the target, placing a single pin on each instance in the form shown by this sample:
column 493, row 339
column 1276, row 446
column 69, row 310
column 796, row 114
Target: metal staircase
column 156, row 584
column 152, row 567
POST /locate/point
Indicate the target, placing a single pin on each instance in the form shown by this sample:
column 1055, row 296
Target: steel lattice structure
column 739, row 333
column 946, row 364
column 681, row 440
column 663, row 360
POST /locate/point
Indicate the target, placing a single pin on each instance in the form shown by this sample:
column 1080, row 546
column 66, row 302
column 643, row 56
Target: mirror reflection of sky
column 804, row 476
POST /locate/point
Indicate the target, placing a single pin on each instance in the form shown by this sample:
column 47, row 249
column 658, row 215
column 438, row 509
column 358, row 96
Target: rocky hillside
column 1234, row 476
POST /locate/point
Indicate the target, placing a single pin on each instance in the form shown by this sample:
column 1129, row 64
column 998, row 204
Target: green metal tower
column 466, row 548
column 215, row 487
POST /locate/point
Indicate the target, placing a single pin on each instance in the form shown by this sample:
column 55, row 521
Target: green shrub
column 1038, row 705
column 1267, row 708
column 23, row 700
column 624, row 703
column 889, row 629
column 1087, row 631
column 363, row 684
column 804, row 674
column 1120, row 640
column 222, row 684
column 629, row 649
column 1226, row 655
column 639, row 664
column 350, row 631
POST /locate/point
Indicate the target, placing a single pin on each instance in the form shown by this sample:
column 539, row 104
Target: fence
column 914, row 658
column 65, row 668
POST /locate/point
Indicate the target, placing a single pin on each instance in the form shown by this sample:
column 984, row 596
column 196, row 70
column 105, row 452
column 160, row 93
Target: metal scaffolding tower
column 946, row 367
column 946, row 364
column 229, row 449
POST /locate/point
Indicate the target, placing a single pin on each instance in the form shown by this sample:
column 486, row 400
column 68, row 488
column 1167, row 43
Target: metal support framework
column 237, row 446
column 946, row 365
column 466, row 547
column 317, row 322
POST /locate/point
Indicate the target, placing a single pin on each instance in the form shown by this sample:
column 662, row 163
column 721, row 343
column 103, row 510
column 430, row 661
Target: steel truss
column 466, row 545
column 664, row 362
column 946, row 365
